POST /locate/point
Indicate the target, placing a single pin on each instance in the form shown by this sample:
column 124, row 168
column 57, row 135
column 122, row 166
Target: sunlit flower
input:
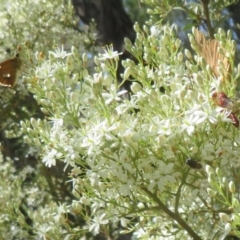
column 109, row 53
column 60, row 53
column 98, row 220
column 50, row 158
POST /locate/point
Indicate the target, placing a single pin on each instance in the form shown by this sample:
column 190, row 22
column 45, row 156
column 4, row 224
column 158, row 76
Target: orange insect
column 222, row 100
column 9, row 70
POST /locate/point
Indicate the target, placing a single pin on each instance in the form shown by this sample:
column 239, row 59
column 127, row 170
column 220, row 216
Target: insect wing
column 209, row 50
column 8, row 71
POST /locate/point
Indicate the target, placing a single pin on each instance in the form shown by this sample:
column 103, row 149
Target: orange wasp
column 222, row 100
column 209, row 50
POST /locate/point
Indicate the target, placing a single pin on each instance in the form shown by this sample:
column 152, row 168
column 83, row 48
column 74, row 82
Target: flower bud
column 211, row 180
column 23, row 124
column 84, row 57
column 227, row 228
column 145, row 28
column 211, row 193
column 209, row 170
column 224, row 217
column 128, row 43
column 177, row 43
column 180, row 57
column 231, row 186
column 136, row 27
column 136, row 87
column 127, row 73
column 188, row 54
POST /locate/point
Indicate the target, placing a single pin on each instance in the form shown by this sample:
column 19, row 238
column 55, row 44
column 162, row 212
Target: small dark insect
column 193, row 164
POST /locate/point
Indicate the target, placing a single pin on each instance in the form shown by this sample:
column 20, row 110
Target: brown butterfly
column 209, row 50
column 8, row 71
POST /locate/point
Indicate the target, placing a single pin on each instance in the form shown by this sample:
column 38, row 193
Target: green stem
column 173, row 215
column 208, row 21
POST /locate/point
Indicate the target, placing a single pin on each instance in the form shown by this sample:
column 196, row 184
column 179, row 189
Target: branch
column 208, row 21
column 174, row 216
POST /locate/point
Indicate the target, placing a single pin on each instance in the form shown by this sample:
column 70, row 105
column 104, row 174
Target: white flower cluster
column 128, row 154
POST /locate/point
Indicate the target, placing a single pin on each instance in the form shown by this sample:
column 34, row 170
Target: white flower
column 50, row 159
column 109, row 53
column 113, row 96
column 199, row 114
column 155, row 30
column 60, row 53
column 42, row 230
column 124, row 222
column 92, row 141
column 97, row 222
